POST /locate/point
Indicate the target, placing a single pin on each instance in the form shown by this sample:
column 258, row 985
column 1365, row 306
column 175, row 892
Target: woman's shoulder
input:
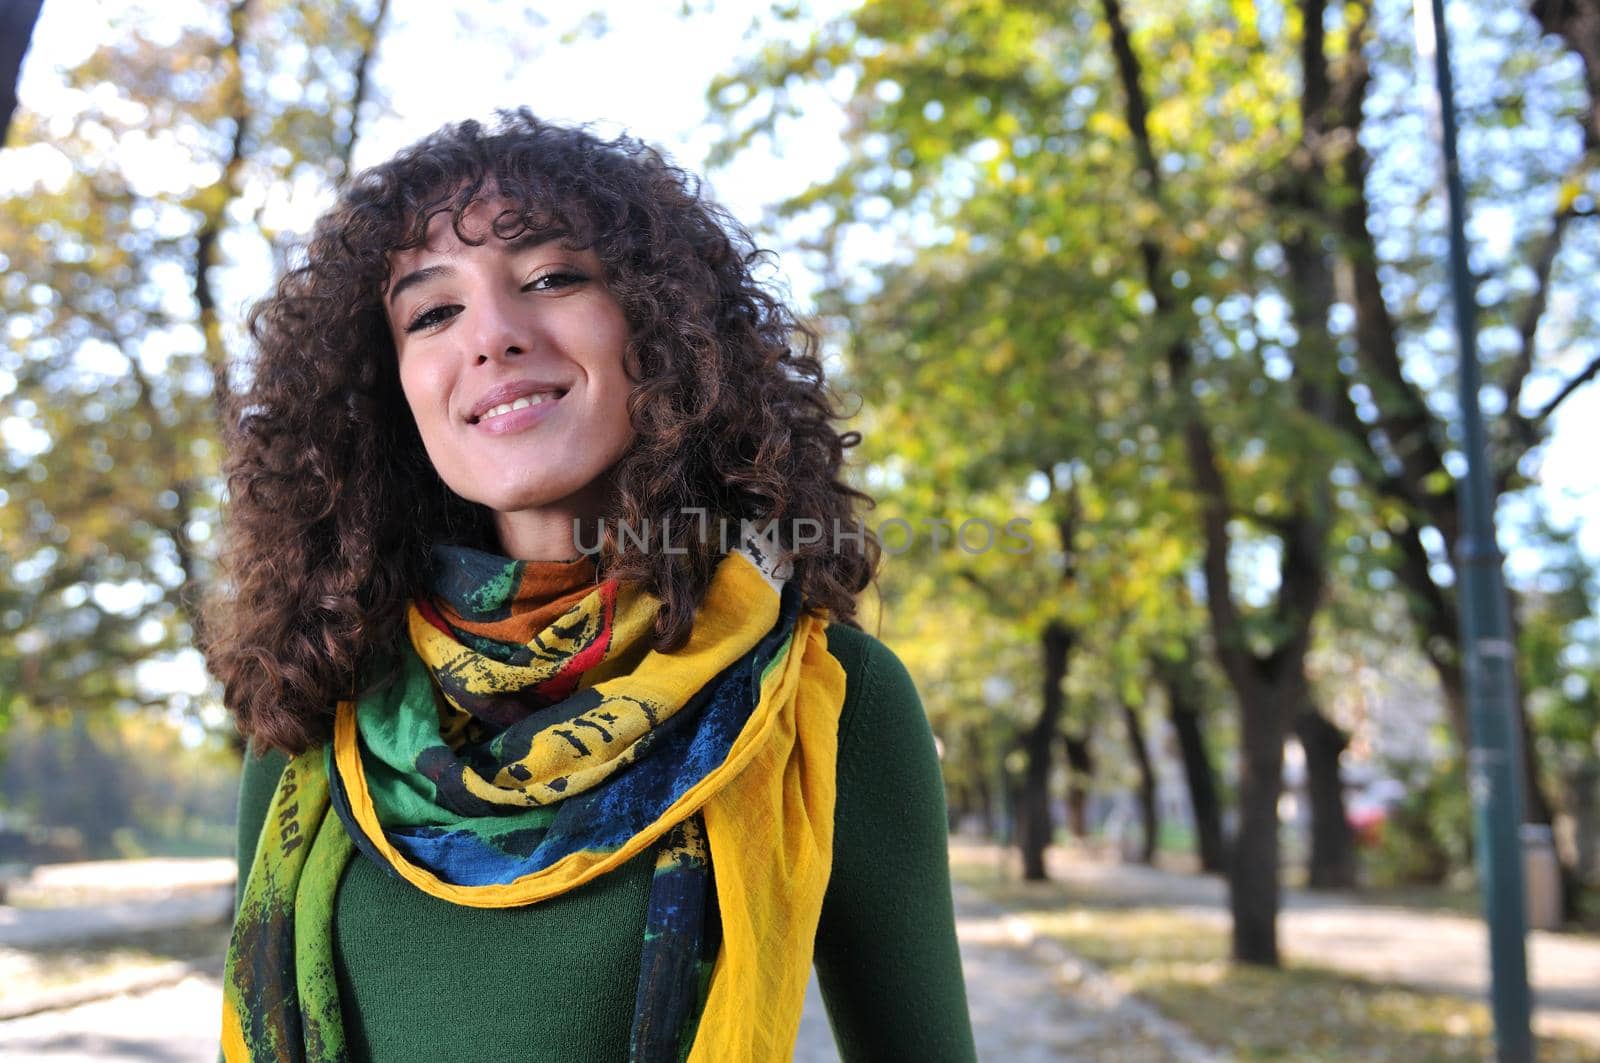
column 859, row 653
column 877, row 683
column 850, row 646
column 260, row 771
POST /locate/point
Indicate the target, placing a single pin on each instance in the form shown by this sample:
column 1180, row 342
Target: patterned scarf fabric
column 532, row 743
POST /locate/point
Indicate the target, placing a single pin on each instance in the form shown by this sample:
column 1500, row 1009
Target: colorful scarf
column 522, row 753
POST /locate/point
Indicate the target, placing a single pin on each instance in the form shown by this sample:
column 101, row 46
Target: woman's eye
column 437, row 315
column 552, row 281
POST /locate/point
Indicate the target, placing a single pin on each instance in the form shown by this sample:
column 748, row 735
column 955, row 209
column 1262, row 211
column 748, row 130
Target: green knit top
column 423, row 979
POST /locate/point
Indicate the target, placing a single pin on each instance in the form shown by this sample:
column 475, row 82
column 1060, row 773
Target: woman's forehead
column 485, row 218
column 477, row 221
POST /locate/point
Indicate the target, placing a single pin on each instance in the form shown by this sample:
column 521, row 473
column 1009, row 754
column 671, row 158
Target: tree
column 1270, row 681
column 1150, row 811
column 17, row 18
column 1403, row 427
column 144, row 204
column 1174, row 233
column 1178, row 671
column 1559, row 650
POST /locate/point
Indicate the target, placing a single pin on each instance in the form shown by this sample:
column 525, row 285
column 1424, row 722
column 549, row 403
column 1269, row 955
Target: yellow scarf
column 767, row 808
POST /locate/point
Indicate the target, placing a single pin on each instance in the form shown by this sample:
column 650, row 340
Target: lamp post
column 1487, row 649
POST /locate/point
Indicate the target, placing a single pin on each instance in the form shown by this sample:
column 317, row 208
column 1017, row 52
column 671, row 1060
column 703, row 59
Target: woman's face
column 511, row 359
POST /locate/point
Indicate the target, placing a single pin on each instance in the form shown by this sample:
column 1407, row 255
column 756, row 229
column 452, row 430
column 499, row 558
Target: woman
column 570, row 749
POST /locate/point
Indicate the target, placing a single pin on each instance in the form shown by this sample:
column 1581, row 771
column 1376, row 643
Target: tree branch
column 1067, row 520
column 977, row 582
column 216, row 199
column 1137, row 104
column 1403, row 414
column 1376, row 470
column 1523, row 433
column 369, row 49
column 175, row 526
column 1302, row 577
column 1543, row 263
column 17, row 20
column 1589, row 372
column 1204, row 468
column 1433, row 609
column 1578, row 23
column 1302, row 568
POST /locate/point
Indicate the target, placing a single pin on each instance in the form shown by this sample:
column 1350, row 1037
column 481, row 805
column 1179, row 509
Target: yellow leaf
column 1571, row 188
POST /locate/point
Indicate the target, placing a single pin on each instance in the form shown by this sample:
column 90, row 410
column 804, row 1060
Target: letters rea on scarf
column 289, row 836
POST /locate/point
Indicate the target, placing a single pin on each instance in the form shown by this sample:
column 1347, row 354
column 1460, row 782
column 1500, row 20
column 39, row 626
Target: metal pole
column 1487, row 649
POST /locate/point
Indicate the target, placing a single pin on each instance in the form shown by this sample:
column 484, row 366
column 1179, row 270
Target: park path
column 1430, row 950
column 22, row 928
column 1031, row 1001
column 179, row 1023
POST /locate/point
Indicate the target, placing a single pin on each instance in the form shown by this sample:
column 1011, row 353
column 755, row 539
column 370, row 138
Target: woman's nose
column 501, row 327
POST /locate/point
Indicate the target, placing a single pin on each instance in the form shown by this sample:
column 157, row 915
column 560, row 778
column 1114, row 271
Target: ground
column 1108, row 961
column 1026, row 1006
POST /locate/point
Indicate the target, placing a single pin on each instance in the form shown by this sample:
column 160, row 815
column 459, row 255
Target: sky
column 647, row 75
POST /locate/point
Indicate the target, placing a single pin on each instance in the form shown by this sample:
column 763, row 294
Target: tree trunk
column 1183, row 710
column 1333, row 846
column 1150, row 814
column 1413, row 435
column 1033, row 807
column 1311, row 298
column 1258, row 680
column 17, row 19
column 983, row 790
column 1080, row 777
column 1253, row 876
column 1034, row 824
column 1440, row 623
column 1579, row 22
column 1583, row 790
column 1537, row 807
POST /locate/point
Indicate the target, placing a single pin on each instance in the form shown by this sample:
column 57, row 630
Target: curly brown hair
column 333, row 505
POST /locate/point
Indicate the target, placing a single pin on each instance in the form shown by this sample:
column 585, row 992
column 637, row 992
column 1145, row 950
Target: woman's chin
column 537, row 506
column 529, row 505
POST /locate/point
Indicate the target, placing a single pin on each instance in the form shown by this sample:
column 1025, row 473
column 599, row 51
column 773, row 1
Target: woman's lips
column 519, row 420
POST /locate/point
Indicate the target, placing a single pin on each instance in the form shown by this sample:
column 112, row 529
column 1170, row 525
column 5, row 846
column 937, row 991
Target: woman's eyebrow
column 528, row 241
column 427, row 273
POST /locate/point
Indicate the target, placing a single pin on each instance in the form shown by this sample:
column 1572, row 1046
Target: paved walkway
column 1031, row 1002
column 179, row 1023
column 1438, row 951
column 23, row 928
column 64, row 903
column 56, row 950
column 1030, row 999
column 93, row 879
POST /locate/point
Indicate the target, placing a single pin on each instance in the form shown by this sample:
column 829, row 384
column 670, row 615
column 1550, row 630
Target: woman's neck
column 551, row 532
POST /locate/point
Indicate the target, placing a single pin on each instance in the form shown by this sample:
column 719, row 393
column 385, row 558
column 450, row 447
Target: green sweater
column 423, row 979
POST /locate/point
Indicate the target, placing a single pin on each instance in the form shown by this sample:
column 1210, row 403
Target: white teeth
column 519, row 404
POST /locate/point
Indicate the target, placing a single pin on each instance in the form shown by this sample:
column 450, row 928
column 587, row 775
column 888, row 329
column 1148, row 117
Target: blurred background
column 1145, row 311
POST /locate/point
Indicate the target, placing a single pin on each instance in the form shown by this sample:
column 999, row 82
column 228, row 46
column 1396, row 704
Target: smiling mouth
column 517, row 404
